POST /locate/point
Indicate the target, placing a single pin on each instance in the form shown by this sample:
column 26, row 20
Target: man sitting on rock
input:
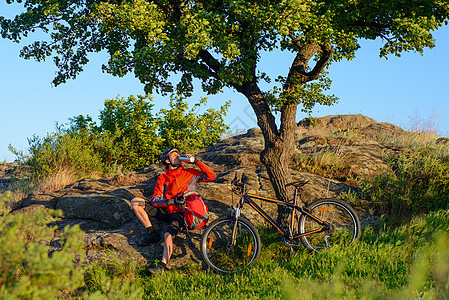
column 171, row 187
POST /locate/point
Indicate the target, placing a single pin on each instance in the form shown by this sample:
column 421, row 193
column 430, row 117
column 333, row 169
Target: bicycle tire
column 343, row 220
column 217, row 252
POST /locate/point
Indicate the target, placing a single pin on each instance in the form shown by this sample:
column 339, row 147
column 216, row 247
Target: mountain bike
column 232, row 243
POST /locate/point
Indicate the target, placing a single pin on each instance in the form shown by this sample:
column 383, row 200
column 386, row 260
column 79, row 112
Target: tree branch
column 295, row 40
column 326, row 52
column 211, row 62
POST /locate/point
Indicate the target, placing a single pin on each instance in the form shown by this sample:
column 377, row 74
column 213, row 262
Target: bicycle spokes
column 340, row 225
column 227, row 254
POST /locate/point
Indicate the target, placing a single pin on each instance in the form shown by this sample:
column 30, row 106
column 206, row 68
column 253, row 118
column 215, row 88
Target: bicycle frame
column 248, row 198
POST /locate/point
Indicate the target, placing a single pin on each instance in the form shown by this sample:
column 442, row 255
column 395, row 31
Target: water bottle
column 184, row 158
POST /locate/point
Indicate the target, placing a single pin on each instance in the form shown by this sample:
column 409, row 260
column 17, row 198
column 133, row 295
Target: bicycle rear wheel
column 216, row 248
column 344, row 225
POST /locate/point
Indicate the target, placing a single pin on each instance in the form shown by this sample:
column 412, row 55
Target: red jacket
column 176, row 182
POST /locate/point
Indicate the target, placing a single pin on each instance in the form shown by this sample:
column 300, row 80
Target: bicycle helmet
column 166, row 153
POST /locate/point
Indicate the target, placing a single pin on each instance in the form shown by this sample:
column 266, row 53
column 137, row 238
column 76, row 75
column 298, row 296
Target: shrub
column 188, row 131
column 31, row 269
column 128, row 137
column 115, row 278
column 62, row 150
column 417, row 182
column 134, row 127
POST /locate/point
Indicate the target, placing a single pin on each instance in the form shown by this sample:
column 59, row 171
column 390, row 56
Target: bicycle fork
column 235, row 226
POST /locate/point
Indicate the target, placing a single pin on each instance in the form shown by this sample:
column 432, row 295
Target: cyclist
column 171, row 188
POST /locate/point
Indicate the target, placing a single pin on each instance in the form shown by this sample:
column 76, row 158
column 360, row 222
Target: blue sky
column 398, row 90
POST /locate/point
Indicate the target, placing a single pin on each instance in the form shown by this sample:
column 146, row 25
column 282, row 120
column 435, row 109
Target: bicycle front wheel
column 343, row 224
column 217, row 249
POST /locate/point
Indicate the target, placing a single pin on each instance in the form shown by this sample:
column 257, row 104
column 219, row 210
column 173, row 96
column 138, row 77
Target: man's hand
column 179, row 200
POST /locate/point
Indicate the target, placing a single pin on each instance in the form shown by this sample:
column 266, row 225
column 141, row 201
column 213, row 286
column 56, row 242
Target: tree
column 220, row 42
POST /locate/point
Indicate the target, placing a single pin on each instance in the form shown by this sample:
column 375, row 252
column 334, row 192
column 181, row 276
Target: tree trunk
column 280, row 143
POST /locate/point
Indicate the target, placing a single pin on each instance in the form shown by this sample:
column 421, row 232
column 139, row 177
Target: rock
column 338, row 122
column 110, row 210
column 11, row 173
column 361, row 151
column 243, row 149
column 98, row 242
column 90, row 185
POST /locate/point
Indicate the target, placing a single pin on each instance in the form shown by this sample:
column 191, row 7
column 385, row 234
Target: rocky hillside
column 102, row 207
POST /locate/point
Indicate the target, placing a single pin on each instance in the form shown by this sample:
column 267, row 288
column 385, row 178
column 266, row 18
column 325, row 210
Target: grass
column 328, row 162
column 408, row 262
column 56, row 181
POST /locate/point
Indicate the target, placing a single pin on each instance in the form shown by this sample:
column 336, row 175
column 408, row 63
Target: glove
column 179, row 200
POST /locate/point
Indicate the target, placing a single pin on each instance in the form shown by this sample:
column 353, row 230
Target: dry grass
column 126, row 179
column 328, row 158
column 407, row 138
column 419, row 132
column 328, row 162
column 424, row 126
column 56, row 181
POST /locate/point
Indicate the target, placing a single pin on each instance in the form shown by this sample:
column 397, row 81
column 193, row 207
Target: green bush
column 128, row 137
column 31, row 269
column 418, row 182
column 131, row 122
column 62, row 150
column 114, row 277
column 188, row 131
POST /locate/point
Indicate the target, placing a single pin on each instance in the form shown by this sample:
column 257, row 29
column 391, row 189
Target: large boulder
column 338, row 122
column 110, row 210
column 361, row 150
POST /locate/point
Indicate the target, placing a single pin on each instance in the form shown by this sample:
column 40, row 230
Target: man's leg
column 142, row 211
column 176, row 219
column 138, row 206
column 168, row 248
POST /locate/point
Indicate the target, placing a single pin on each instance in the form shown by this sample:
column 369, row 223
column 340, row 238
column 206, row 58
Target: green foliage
column 219, row 42
column 140, row 137
column 309, row 94
column 114, row 278
column 418, row 182
column 188, row 131
column 63, row 150
column 136, row 141
column 31, row 268
column 128, row 137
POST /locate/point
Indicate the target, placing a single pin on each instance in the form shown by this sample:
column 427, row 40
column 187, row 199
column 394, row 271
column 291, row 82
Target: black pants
column 175, row 220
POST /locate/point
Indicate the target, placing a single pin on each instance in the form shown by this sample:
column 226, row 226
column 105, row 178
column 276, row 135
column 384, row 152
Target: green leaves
column 36, row 263
column 129, row 137
column 417, row 182
column 189, row 131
